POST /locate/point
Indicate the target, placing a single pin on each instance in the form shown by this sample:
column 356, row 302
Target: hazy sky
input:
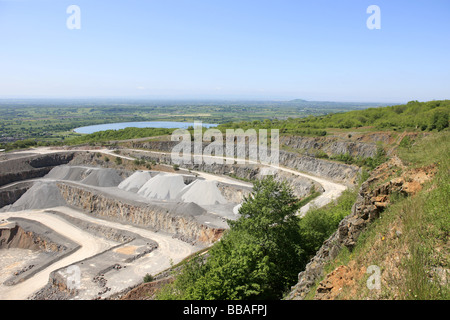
column 248, row 49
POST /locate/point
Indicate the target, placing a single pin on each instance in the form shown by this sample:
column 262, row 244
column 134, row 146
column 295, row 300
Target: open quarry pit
column 72, row 229
column 111, row 226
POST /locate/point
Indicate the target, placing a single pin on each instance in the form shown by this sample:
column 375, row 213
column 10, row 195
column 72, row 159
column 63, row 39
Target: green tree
column 259, row 257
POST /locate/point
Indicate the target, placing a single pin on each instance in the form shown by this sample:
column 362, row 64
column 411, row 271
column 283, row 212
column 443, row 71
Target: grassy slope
column 410, row 240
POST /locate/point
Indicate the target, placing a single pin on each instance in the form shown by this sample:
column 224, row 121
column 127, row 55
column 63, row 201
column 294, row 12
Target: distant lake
column 145, row 124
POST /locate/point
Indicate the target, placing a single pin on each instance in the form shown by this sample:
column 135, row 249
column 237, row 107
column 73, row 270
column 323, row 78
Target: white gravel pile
column 203, row 193
column 135, row 182
column 163, row 187
column 103, row 178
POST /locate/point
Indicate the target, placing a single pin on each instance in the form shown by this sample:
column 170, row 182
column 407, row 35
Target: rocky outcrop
column 373, row 197
column 233, row 193
column 146, row 291
column 307, row 145
column 148, row 215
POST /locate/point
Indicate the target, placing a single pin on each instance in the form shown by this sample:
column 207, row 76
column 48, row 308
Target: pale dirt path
column 169, row 251
column 90, row 245
column 332, row 189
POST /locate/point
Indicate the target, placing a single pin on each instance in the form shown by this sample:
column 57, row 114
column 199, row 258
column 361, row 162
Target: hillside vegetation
column 409, row 242
column 432, row 115
column 261, row 255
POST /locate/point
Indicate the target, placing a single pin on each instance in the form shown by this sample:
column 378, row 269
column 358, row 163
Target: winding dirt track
column 90, row 245
column 169, row 250
column 332, row 189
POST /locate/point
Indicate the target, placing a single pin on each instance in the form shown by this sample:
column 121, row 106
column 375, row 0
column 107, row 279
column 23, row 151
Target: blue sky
column 226, row 49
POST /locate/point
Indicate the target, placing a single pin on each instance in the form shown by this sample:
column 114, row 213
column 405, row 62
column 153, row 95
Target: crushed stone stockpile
column 103, row 178
column 41, row 195
column 70, row 173
column 97, row 177
column 163, row 187
column 182, row 209
column 135, row 182
column 202, row 192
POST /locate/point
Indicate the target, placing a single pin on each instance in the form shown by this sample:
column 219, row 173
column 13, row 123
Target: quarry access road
column 169, row 251
column 332, row 190
column 90, row 245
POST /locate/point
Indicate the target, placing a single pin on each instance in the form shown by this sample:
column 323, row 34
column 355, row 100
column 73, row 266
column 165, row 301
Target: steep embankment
column 336, row 171
column 395, row 237
column 162, row 217
column 32, row 235
column 330, row 145
column 31, row 167
column 10, row 194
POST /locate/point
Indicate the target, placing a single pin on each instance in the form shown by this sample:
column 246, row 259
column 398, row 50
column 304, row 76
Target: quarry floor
column 169, row 251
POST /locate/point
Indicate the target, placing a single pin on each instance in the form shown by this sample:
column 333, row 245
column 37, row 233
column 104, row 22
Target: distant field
column 50, row 121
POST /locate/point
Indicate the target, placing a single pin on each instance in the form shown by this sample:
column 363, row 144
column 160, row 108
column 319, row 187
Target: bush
column 148, row 278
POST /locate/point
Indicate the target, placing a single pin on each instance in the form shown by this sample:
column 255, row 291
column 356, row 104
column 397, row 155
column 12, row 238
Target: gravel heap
column 135, row 182
column 163, row 186
column 103, row 178
column 71, row 173
column 203, row 193
column 41, row 195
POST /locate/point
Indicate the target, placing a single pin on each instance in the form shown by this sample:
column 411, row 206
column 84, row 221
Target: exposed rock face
column 330, row 287
column 233, row 194
column 31, row 167
column 329, row 145
column 146, row 291
column 301, row 186
column 336, row 171
column 30, row 236
column 16, row 237
column 13, row 193
column 145, row 215
column 373, row 198
column 25, row 234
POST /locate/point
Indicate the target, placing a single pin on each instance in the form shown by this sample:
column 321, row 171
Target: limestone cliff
column 330, row 145
column 336, row 171
column 153, row 216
